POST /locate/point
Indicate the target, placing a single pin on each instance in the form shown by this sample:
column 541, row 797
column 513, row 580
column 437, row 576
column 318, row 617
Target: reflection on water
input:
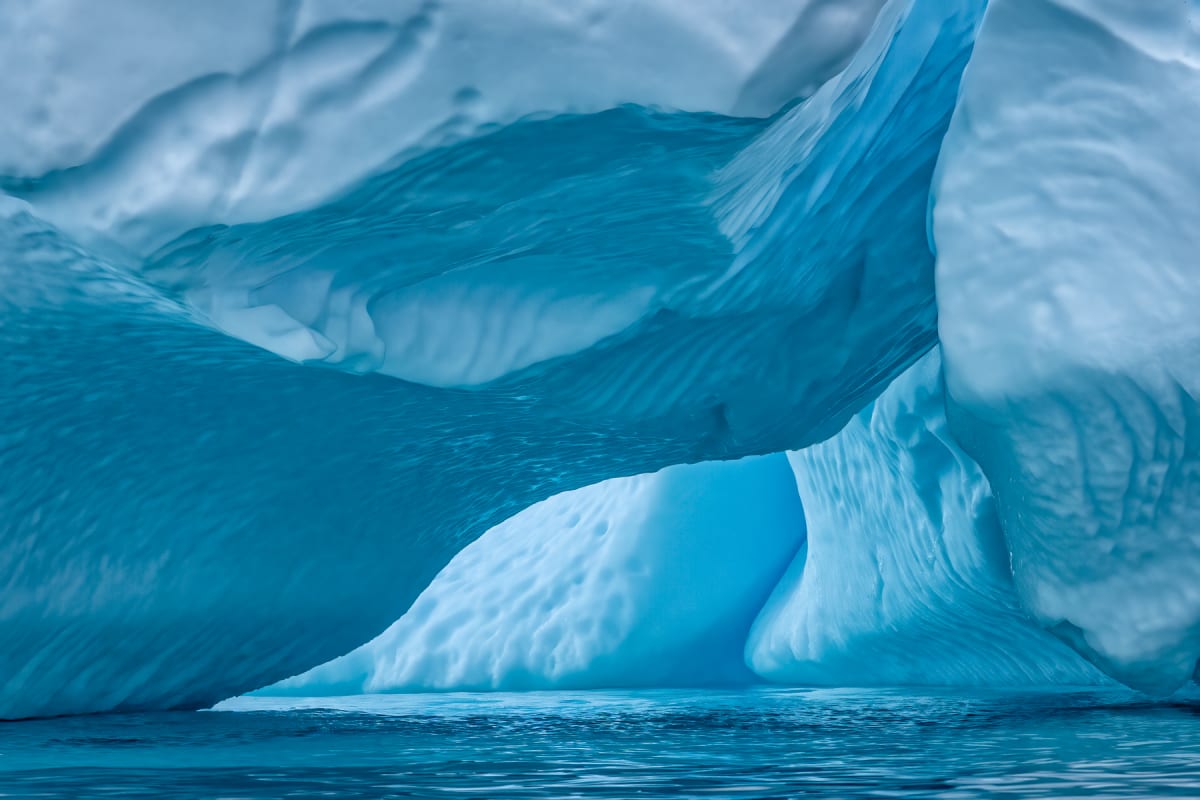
column 753, row 743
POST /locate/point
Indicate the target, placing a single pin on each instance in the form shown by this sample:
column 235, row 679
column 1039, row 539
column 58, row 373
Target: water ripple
column 753, row 743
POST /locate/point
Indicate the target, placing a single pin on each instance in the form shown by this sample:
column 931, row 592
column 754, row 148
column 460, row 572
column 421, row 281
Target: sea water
column 758, row 742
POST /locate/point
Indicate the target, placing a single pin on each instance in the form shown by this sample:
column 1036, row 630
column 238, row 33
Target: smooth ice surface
column 904, row 579
column 1067, row 227
column 626, row 290
column 642, row 581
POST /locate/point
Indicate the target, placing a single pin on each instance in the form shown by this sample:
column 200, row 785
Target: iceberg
column 291, row 316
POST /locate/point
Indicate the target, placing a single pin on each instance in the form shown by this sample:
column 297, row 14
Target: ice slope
column 644, row 581
column 1067, row 227
column 904, row 579
column 701, row 287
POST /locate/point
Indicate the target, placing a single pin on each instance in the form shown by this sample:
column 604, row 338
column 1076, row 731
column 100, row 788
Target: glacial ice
column 1067, row 227
column 292, row 313
column 643, row 581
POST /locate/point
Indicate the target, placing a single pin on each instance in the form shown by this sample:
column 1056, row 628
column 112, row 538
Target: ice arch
column 230, row 517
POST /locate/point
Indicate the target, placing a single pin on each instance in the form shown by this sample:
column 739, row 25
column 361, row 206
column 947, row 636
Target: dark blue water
column 753, row 743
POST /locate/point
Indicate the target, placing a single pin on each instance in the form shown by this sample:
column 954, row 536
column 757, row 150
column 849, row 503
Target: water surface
column 762, row 742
